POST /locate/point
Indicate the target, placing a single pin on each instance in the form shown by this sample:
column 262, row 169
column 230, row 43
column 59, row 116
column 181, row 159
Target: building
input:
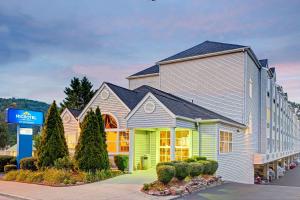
column 215, row 100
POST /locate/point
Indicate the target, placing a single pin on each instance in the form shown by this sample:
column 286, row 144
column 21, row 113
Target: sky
column 43, row 44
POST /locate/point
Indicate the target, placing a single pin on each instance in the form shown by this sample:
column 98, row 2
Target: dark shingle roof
column 150, row 70
column 74, row 112
column 204, row 48
column 264, row 62
column 272, row 69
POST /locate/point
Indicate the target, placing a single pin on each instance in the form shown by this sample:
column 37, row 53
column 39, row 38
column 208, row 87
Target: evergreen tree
column 105, row 159
column 78, row 94
column 53, row 143
column 88, row 149
column 3, row 135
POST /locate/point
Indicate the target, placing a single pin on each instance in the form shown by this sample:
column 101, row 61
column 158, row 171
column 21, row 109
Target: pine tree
column 3, row 135
column 78, row 94
column 105, row 159
column 88, row 149
column 53, row 142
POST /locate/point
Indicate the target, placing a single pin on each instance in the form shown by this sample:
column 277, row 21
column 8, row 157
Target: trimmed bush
column 172, row 163
column 64, row 163
column 181, row 170
column 5, row 160
column 28, row 164
column 121, row 161
column 165, row 173
column 197, row 158
column 189, row 160
column 207, row 166
column 8, row 168
column 195, row 169
column 213, row 167
column 35, row 177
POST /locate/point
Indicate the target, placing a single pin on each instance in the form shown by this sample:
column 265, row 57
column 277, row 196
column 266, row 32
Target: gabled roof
column 181, row 107
column 150, row 70
column 264, row 63
column 272, row 69
column 204, row 48
column 74, row 112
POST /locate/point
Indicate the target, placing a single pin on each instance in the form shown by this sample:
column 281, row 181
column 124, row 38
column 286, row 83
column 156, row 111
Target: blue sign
column 16, row 116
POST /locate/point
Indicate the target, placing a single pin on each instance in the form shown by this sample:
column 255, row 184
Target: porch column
column 131, row 150
column 172, row 142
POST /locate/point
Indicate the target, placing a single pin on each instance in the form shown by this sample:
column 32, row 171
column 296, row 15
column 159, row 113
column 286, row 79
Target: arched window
column 117, row 140
column 109, row 121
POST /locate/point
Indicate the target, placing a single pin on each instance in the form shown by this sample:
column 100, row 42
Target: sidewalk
column 122, row 187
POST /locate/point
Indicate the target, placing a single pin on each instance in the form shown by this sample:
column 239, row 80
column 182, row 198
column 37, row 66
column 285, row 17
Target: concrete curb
column 14, row 196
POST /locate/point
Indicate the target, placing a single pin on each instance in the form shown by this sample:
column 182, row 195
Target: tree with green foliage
column 3, row 135
column 88, row 149
column 53, row 142
column 105, row 161
column 78, row 94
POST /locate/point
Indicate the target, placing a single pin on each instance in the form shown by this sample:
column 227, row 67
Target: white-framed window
column 225, row 142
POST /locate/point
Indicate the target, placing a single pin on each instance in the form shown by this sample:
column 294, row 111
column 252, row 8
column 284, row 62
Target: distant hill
column 26, row 104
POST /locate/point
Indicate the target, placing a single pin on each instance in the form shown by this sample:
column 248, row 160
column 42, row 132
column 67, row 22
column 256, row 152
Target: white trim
column 149, row 94
column 204, row 55
column 142, row 76
column 222, row 121
column 219, row 135
column 96, row 95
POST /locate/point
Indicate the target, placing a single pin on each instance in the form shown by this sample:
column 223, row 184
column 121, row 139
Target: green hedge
column 196, row 169
column 121, row 161
column 6, row 160
column 28, row 164
column 165, row 173
column 8, row 168
column 181, row 170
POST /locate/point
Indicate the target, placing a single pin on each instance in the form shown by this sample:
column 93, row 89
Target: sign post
column 24, row 119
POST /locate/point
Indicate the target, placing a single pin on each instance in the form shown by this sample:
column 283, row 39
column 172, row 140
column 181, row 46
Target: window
column 164, row 146
column 111, row 141
column 182, row 145
column 109, row 122
column 250, row 87
column 124, row 141
column 225, row 142
column 71, row 140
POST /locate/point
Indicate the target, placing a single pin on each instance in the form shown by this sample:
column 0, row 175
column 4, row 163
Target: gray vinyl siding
column 237, row 165
column 195, row 143
column 152, row 81
column 111, row 105
column 216, row 83
column 71, row 128
column 253, row 104
column 185, row 124
column 264, row 99
column 208, row 140
column 160, row 118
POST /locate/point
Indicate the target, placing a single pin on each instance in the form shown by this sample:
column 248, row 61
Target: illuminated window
column 124, row 141
column 111, row 141
column 164, row 146
column 225, row 142
column 109, row 122
column 182, row 145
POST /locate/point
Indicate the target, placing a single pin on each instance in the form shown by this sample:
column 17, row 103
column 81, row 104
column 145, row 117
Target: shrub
column 79, row 177
column 189, row 160
column 197, row 158
column 195, row 169
column 22, row 175
column 206, row 165
column 213, row 167
column 181, row 170
column 13, row 161
column 64, row 163
column 55, row 176
column 165, row 173
column 35, row 177
column 8, row 168
column 28, row 164
column 11, row 176
column 146, row 187
column 165, row 163
column 5, row 160
column 121, row 161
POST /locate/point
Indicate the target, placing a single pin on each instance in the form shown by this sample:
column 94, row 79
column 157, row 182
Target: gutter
column 222, row 121
column 141, row 76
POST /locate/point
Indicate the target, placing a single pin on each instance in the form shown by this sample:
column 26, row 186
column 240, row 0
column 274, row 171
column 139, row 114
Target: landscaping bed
column 183, row 177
